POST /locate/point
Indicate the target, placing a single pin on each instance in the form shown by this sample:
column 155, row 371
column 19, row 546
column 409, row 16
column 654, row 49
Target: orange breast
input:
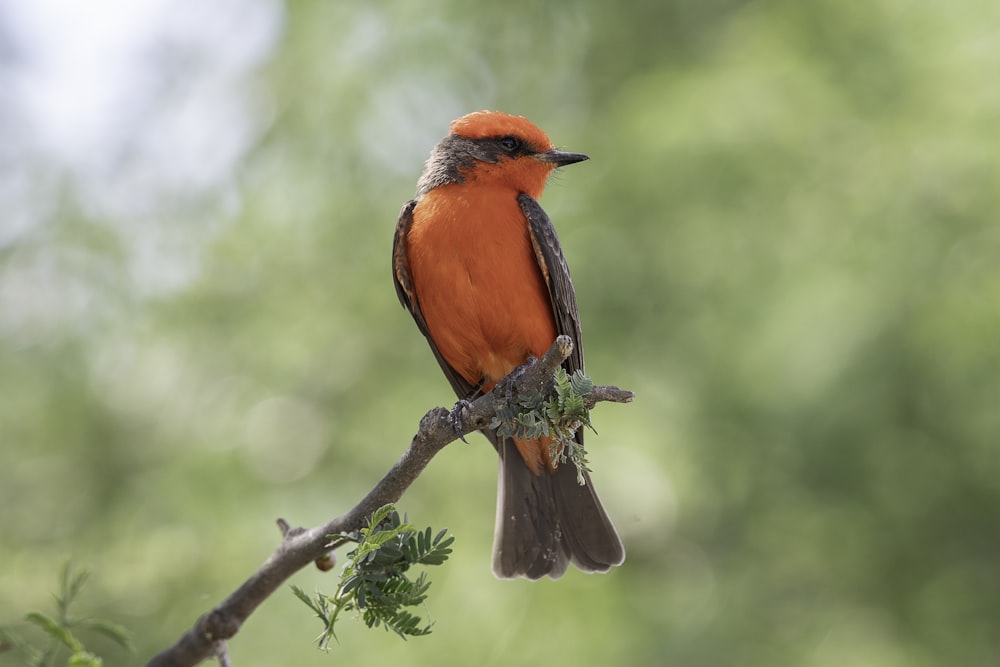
column 477, row 282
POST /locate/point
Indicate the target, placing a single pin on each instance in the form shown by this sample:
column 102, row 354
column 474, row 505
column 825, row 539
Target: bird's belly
column 482, row 294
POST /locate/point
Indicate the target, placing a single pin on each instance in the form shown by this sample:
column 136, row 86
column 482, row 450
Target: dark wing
column 556, row 273
column 408, row 296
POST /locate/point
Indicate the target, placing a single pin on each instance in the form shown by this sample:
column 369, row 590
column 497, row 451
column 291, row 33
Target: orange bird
column 477, row 263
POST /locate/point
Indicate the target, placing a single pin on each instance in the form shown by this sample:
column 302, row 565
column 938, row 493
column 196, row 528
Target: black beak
column 560, row 158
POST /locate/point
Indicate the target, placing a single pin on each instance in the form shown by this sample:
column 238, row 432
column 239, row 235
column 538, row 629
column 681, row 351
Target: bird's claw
column 456, row 418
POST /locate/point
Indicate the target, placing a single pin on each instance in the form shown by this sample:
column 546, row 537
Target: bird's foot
column 456, row 417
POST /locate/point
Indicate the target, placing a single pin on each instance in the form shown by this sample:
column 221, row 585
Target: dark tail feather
column 546, row 521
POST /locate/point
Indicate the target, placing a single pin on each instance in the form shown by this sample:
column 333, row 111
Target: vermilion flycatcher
column 477, row 263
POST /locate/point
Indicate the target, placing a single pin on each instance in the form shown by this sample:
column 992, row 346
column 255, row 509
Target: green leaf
column 84, row 659
column 59, row 628
column 374, row 579
column 71, row 585
column 54, row 630
column 113, row 631
column 317, row 607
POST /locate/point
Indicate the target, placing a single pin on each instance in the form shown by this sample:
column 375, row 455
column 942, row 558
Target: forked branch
column 300, row 547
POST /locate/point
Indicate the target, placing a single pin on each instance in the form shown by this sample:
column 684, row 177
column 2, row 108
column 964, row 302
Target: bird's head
column 495, row 148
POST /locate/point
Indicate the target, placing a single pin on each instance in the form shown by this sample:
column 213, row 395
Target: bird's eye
column 509, row 143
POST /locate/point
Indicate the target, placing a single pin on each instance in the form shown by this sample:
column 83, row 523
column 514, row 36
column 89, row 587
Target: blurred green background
column 785, row 243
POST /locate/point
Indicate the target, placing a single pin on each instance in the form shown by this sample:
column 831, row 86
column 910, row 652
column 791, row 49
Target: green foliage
column 59, row 629
column 556, row 415
column 374, row 580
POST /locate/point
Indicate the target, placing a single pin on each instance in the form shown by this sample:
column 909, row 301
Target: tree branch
column 300, row 546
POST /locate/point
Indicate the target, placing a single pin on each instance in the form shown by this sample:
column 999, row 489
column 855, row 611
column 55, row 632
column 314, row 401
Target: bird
column 477, row 263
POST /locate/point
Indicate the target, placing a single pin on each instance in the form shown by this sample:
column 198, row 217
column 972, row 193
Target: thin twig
column 222, row 654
